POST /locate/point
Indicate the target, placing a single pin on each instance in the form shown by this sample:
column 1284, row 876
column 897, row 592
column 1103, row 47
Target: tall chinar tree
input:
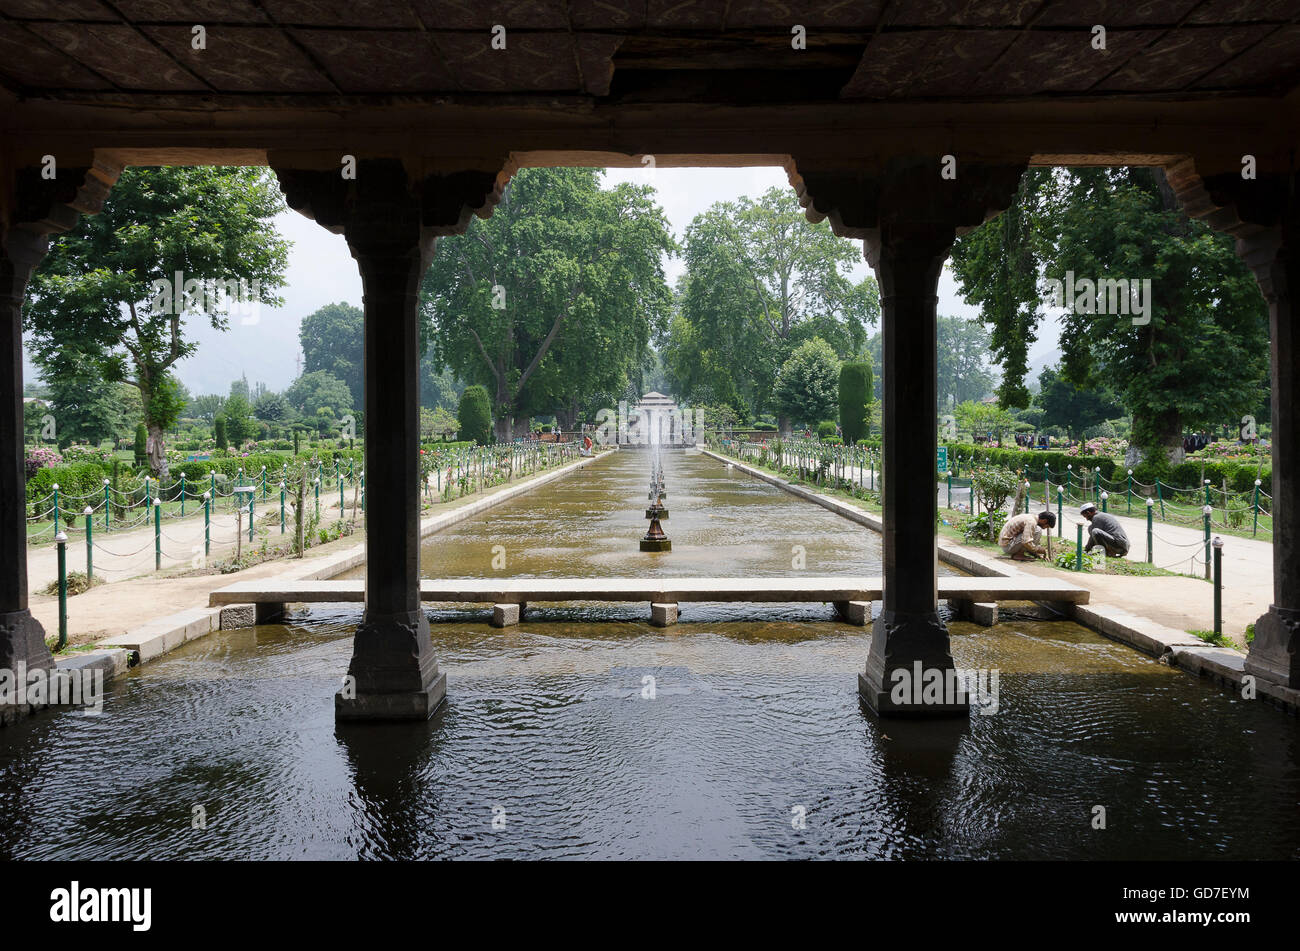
column 1189, row 349
column 760, row 281
column 171, row 244
column 550, row 302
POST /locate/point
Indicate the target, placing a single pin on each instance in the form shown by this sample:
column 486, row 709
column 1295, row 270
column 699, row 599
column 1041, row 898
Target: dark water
column 754, row 722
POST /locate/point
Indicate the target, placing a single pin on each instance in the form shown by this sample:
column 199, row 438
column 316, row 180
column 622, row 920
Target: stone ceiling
column 618, row 51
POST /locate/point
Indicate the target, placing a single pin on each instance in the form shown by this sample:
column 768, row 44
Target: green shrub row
column 1240, row 475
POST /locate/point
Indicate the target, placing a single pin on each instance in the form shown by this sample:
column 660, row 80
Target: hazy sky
column 321, row 272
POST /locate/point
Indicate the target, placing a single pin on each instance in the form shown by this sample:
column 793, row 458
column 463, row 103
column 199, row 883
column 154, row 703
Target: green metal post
column 61, row 543
column 281, row 508
column 1060, row 520
column 1161, row 496
column 1218, row 587
column 1208, row 511
column 1150, row 555
column 1104, row 497
column 1207, row 492
column 90, row 544
column 1096, row 484
column 1078, row 547
column 263, row 483
column 316, row 488
column 107, row 505
column 363, row 490
column 212, row 484
column 157, row 534
column 56, row 508
column 207, row 524
column 182, row 495
column 341, row 512
column 1255, row 530
column 251, row 497
column 949, row 490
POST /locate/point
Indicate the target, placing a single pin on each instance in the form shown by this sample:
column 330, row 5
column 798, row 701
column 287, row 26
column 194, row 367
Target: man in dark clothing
column 1104, row 530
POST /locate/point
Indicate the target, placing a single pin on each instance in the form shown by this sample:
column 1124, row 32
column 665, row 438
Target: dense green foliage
column 855, row 398
column 1197, row 358
column 549, row 303
column 475, row 415
column 807, row 387
column 97, row 299
column 761, row 281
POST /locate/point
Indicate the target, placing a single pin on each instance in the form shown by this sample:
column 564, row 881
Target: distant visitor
column 1104, row 530
column 1021, row 534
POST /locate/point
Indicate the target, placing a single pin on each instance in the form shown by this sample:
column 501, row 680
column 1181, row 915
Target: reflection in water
column 550, row 729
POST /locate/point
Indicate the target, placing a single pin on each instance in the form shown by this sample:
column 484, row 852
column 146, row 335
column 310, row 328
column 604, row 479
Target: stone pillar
column 22, row 638
column 908, row 261
column 1264, row 215
column 31, row 209
column 390, row 221
column 908, row 214
column 1275, row 652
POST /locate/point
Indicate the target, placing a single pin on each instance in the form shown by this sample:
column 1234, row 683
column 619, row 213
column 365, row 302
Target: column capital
column 1262, row 213
column 906, row 200
column 385, row 207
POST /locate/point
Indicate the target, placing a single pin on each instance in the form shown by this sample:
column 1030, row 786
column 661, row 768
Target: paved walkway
column 1181, row 603
column 119, row 555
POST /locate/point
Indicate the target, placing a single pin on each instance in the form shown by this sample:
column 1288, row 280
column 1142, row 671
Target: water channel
column 753, row 746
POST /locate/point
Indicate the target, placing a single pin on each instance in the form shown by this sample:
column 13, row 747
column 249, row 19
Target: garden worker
column 1021, row 533
column 1104, row 530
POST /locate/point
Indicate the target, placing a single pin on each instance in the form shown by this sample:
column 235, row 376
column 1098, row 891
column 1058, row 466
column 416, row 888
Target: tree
column 963, row 346
column 273, row 408
column 206, row 407
column 219, row 432
column 1073, row 408
column 239, row 424
column 141, row 444
column 807, row 387
column 1188, row 349
column 475, row 415
column 855, row 400
column 318, row 390
column 996, row 268
column 332, row 339
column 984, row 419
column 106, row 293
column 85, row 407
column 437, row 423
column 549, row 303
column 760, row 280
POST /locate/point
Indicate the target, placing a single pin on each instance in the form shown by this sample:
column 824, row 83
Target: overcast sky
column 321, row 272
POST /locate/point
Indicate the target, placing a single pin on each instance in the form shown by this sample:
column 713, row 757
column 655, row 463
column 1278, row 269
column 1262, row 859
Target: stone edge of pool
column 1223, row 665
column 162, row 635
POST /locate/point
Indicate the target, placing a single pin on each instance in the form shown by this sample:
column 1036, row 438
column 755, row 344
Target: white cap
column 1087, row 507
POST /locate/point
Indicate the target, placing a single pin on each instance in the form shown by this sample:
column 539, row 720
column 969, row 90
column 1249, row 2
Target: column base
column 393, row 674
column 1275, row 652
column 410, row 705
column 910, row 672
column 22, row 647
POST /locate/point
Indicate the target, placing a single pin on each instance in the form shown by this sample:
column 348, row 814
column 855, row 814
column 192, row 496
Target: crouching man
column 1104, row 530
column 1021, row 533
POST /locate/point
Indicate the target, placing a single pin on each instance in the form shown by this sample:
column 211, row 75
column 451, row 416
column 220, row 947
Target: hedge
column 1240, row 475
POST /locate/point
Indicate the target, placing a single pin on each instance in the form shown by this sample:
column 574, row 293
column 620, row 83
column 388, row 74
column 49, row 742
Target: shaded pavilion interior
column 863, row 117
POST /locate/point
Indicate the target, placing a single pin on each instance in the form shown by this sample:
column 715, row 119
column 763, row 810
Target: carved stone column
column 1264, row 215
column 908, row 215
column 390, row 222
column 31, row 209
